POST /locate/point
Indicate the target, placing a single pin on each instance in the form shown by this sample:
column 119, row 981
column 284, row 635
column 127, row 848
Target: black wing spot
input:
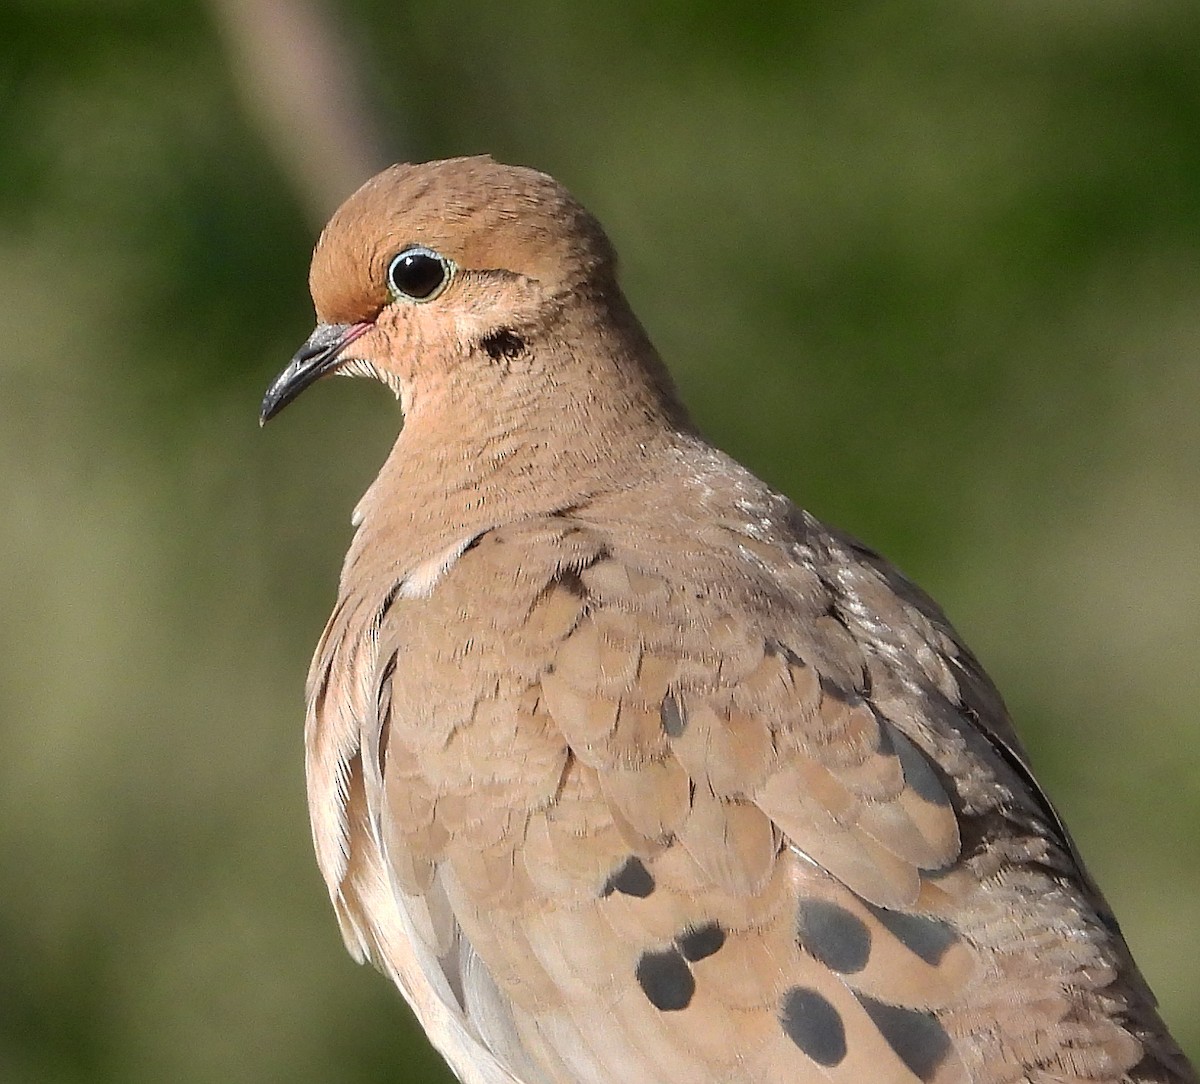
column 929, row 938
column 632, row 879
column 701, row 941
column 666, row 980
column 814, row 1025
column 918, row 772
column 839, row 939
column 673, row 715
column 917, row 1038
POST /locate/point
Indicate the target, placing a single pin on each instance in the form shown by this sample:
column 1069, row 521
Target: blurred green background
column 933, row 269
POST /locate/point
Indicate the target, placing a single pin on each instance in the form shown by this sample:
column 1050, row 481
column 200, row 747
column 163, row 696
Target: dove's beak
column 320, row 354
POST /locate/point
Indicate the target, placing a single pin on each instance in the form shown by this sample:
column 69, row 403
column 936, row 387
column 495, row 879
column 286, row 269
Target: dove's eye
column 418, row 273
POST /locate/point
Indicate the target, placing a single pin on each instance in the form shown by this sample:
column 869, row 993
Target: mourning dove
column 623, row 767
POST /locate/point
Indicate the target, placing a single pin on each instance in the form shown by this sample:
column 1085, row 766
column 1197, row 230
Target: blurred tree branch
column 300, row 80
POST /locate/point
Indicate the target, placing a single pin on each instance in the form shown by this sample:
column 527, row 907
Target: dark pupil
column 417, row 274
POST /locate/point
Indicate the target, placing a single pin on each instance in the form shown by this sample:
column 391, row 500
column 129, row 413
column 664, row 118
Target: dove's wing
column 623, row 824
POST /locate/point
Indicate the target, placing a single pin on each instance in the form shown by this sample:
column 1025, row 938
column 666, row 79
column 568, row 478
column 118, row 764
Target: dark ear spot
column 503, row 343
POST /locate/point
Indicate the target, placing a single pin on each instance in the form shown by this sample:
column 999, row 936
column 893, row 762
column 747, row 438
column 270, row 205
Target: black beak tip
column 318, row 356
column 270, row 407
column 278, row 396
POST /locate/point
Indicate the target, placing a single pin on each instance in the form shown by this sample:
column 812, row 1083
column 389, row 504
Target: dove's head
column 431, row 268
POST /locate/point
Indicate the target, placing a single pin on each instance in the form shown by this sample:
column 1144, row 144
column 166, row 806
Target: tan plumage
column 623, row 767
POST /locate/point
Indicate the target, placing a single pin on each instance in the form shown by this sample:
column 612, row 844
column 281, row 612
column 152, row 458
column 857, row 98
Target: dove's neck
column 585, row 409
